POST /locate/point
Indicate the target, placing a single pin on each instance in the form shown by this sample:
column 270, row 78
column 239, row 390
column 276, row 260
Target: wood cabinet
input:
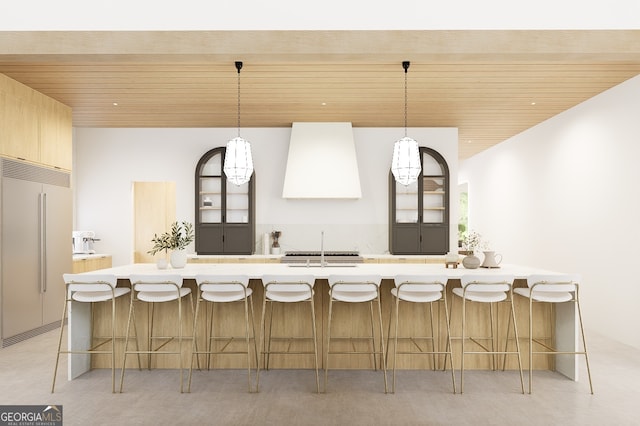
column 91, row 263
column 419, row 212
column 35, row 128
column 224, row 212
column 19, row 124
column 55, row 133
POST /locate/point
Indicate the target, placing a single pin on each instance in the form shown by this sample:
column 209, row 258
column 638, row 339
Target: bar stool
column 552, row 289
column 91, row 289
column 488, row 289
column 154, row 289
column 286, row 289
column 216, row 289
column 424, row 290
column 356, row 289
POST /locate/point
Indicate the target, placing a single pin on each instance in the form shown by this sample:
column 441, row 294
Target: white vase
column 162, row 263
column 471, row 262
column 178, row 259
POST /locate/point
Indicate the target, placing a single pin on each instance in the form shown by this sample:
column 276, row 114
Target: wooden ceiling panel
column 482, row 82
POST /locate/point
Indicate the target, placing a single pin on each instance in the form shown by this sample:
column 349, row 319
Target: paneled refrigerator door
column 58, row 226
column 21, row 283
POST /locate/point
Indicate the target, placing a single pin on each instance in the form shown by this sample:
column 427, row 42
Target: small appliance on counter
column 83, row 242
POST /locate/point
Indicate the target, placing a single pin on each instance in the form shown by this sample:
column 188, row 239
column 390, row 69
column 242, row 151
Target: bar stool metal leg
column 91, row 289
column 283, row 289
column 214, row 290
column 357, row 289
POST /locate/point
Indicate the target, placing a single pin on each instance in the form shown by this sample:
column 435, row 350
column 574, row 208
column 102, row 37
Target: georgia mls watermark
column 30, row 415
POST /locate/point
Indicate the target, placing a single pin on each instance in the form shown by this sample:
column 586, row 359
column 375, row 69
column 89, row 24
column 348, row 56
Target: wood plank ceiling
column 491, row 85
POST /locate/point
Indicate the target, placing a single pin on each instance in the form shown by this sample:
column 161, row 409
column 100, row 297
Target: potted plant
column 177, row 240
column 470, row 243
column 275, row 246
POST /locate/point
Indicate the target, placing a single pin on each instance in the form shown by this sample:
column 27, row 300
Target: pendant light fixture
column 238, row 163
column 405, row 164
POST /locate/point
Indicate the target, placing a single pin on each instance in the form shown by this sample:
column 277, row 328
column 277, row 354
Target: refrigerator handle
column 43, row 242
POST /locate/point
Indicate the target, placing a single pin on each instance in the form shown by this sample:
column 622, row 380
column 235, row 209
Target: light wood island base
column 348, row 321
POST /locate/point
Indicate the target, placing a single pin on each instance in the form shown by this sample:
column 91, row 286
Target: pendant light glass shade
column 405, row 164
column 238, row 163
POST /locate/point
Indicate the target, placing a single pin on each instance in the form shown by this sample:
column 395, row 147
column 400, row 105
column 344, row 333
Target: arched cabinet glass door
column 225, row 213
column 419, row 212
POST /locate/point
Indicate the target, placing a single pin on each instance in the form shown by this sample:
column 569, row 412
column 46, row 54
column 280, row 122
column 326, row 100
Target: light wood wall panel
column 154, row 209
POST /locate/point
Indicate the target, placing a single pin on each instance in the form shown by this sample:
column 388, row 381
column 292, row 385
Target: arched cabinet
column 224, row 212
column 419, row 212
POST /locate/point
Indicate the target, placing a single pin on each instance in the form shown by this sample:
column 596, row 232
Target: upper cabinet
column 225, row 213
column 34, row 127
column 419, row 212
column 55, row 133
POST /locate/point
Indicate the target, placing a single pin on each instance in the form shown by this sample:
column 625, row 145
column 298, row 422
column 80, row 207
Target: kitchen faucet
column 322, row 249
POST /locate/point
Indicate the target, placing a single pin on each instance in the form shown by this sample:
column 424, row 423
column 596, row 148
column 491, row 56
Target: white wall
column 107, row 161
column 563, row 196
column 317, row 15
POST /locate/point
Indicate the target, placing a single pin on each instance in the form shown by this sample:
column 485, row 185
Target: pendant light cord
column 238, row 67
column 405, row 65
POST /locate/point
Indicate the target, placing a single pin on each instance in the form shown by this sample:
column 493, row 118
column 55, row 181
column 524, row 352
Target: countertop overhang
column 82, row 256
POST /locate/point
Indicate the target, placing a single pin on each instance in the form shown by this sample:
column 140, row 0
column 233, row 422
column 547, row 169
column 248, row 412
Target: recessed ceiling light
column 115, row 104
column 533, row 103
column 323, row 104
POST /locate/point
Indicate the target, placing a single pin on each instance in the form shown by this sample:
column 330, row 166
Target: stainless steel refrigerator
column 35, row 247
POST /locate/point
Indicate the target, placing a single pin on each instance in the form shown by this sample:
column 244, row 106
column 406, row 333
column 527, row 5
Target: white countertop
column 403, row 256
column 278, row 256
column 233, row 256
column 82, row 256
column 258, row 270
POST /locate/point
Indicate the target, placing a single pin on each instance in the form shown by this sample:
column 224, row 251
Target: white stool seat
column 225, row 296
column 545, row 296
column 354, row 296
column 478, row 296
column 98, row 296
column 288, row 296
column 162, row 296
column 417, row 296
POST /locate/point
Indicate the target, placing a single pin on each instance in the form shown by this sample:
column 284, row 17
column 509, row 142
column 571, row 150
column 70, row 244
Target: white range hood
column 322, row 162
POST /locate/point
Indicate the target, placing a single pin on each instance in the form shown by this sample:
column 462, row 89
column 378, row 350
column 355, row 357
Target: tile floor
column 287, row 397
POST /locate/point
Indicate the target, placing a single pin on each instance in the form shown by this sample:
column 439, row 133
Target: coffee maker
column 83, row 242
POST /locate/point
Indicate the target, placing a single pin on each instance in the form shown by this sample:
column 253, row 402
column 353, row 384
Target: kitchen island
column 556, row 322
